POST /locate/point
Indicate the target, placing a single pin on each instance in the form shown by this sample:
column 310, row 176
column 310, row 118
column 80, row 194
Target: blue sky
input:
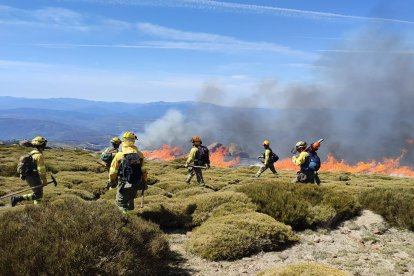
column 164, row 50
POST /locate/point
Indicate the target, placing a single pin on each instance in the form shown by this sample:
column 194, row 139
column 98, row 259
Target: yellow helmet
column 300, row 144
column 196, row 139
column 129, row 135
column 116, row 140
column 266, row 143
column 39, row 141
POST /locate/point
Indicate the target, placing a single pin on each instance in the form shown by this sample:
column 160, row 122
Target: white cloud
column 49, row 17
column 242, row 7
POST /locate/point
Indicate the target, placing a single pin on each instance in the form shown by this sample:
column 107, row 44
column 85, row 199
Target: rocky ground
column 362, row 246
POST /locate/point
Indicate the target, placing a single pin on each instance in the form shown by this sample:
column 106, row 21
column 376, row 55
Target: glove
column 109, row 185
column 186, row 165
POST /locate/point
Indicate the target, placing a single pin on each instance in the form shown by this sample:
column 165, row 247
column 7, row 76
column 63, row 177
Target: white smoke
column 170, row 129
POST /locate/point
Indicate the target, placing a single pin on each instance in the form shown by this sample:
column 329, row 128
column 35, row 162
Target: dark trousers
column 197, row 172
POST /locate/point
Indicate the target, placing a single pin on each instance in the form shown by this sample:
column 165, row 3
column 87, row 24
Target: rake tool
column 27, row 189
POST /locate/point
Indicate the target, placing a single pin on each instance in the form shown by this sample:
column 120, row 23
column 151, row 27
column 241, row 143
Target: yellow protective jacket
column 127, row 148
column 266, row 156
column 40, row 163
column 301, row 159
column 192, row 155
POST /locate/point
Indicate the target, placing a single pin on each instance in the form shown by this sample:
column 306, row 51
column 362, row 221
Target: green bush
column 169, row 215
column 73, row 237
column 308, row 269
column 395, row 205
column 192, row 211
column 302, row 206
column 207, row 203
column 235, row 236
column 8, row 169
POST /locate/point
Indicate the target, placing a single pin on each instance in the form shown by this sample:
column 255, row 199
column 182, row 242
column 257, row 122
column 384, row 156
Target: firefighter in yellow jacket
column 197, row 159
column 269, row 158
column 127, row 172
column 108, row 154
column 308, row 161
column 37, row 178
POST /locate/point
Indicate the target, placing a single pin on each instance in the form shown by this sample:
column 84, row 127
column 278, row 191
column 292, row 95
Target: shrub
column 169, row 215
column 235, row 236
column 207, row 203
column 8, row 169
column 302, row 206
column 192, row 211
column 311, row 269
column 395, row 205
column 73, row 237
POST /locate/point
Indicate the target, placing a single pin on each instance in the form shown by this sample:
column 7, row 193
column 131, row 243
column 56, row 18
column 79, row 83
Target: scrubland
column 236, row 224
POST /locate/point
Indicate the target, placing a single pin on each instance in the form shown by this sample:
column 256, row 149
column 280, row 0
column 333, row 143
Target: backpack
column 273, row 157
column 130, row 168
column 202, row 156
column 314, row 161
column 107, row 156
column 26, row 166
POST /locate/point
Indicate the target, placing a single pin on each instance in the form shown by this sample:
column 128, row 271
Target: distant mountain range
column 84, row 123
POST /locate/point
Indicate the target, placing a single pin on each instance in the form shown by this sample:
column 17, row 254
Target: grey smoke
column 363, row 109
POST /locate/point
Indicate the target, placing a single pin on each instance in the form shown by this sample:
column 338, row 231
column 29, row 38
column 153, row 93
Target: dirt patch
column 362, row 246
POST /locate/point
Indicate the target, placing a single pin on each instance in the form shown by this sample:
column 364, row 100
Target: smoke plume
column 363, row 108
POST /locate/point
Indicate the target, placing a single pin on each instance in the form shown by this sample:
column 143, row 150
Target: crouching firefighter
column 127, row 173
column 269, row 158
column 199, row 155
column 309, row 162
column 32, row 168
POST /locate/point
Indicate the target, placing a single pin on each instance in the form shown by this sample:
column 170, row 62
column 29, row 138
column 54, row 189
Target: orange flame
column 409, row 141
column 389, row 166
column 166, row 152
column 217, row 158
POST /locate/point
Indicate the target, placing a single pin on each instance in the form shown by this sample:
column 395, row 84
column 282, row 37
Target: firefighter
column 269, row 158
column 37, row 177
column 127, row 173
column 198, row 156
column 308, row 161
column 109, row 153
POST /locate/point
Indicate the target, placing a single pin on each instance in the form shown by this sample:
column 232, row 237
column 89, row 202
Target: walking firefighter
column 127, row 173
column 268, row 159
column 109, row 153
column 32, row 168
column 198, row 158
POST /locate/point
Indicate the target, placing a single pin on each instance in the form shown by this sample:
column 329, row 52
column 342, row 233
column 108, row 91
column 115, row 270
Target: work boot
column 15, row 199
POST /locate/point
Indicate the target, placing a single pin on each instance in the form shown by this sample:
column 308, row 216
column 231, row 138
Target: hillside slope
column 363, row 245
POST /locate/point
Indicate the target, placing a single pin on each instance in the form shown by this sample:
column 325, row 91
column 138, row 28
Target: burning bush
column 74, row 237
column 395, row 205
column 302, row 206
column 235, row 236
column 303, row 269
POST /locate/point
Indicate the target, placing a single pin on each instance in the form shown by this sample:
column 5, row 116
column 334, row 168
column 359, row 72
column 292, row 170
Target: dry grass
column 308, row 269
column 175, row 205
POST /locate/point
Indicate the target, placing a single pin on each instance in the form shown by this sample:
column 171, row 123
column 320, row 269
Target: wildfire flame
column 389, row 166
column 217, row 158
column 166, row 152
column 409, row 141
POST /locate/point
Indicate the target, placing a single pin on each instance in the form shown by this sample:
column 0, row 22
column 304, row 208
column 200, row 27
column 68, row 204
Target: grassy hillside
column 233, row 216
